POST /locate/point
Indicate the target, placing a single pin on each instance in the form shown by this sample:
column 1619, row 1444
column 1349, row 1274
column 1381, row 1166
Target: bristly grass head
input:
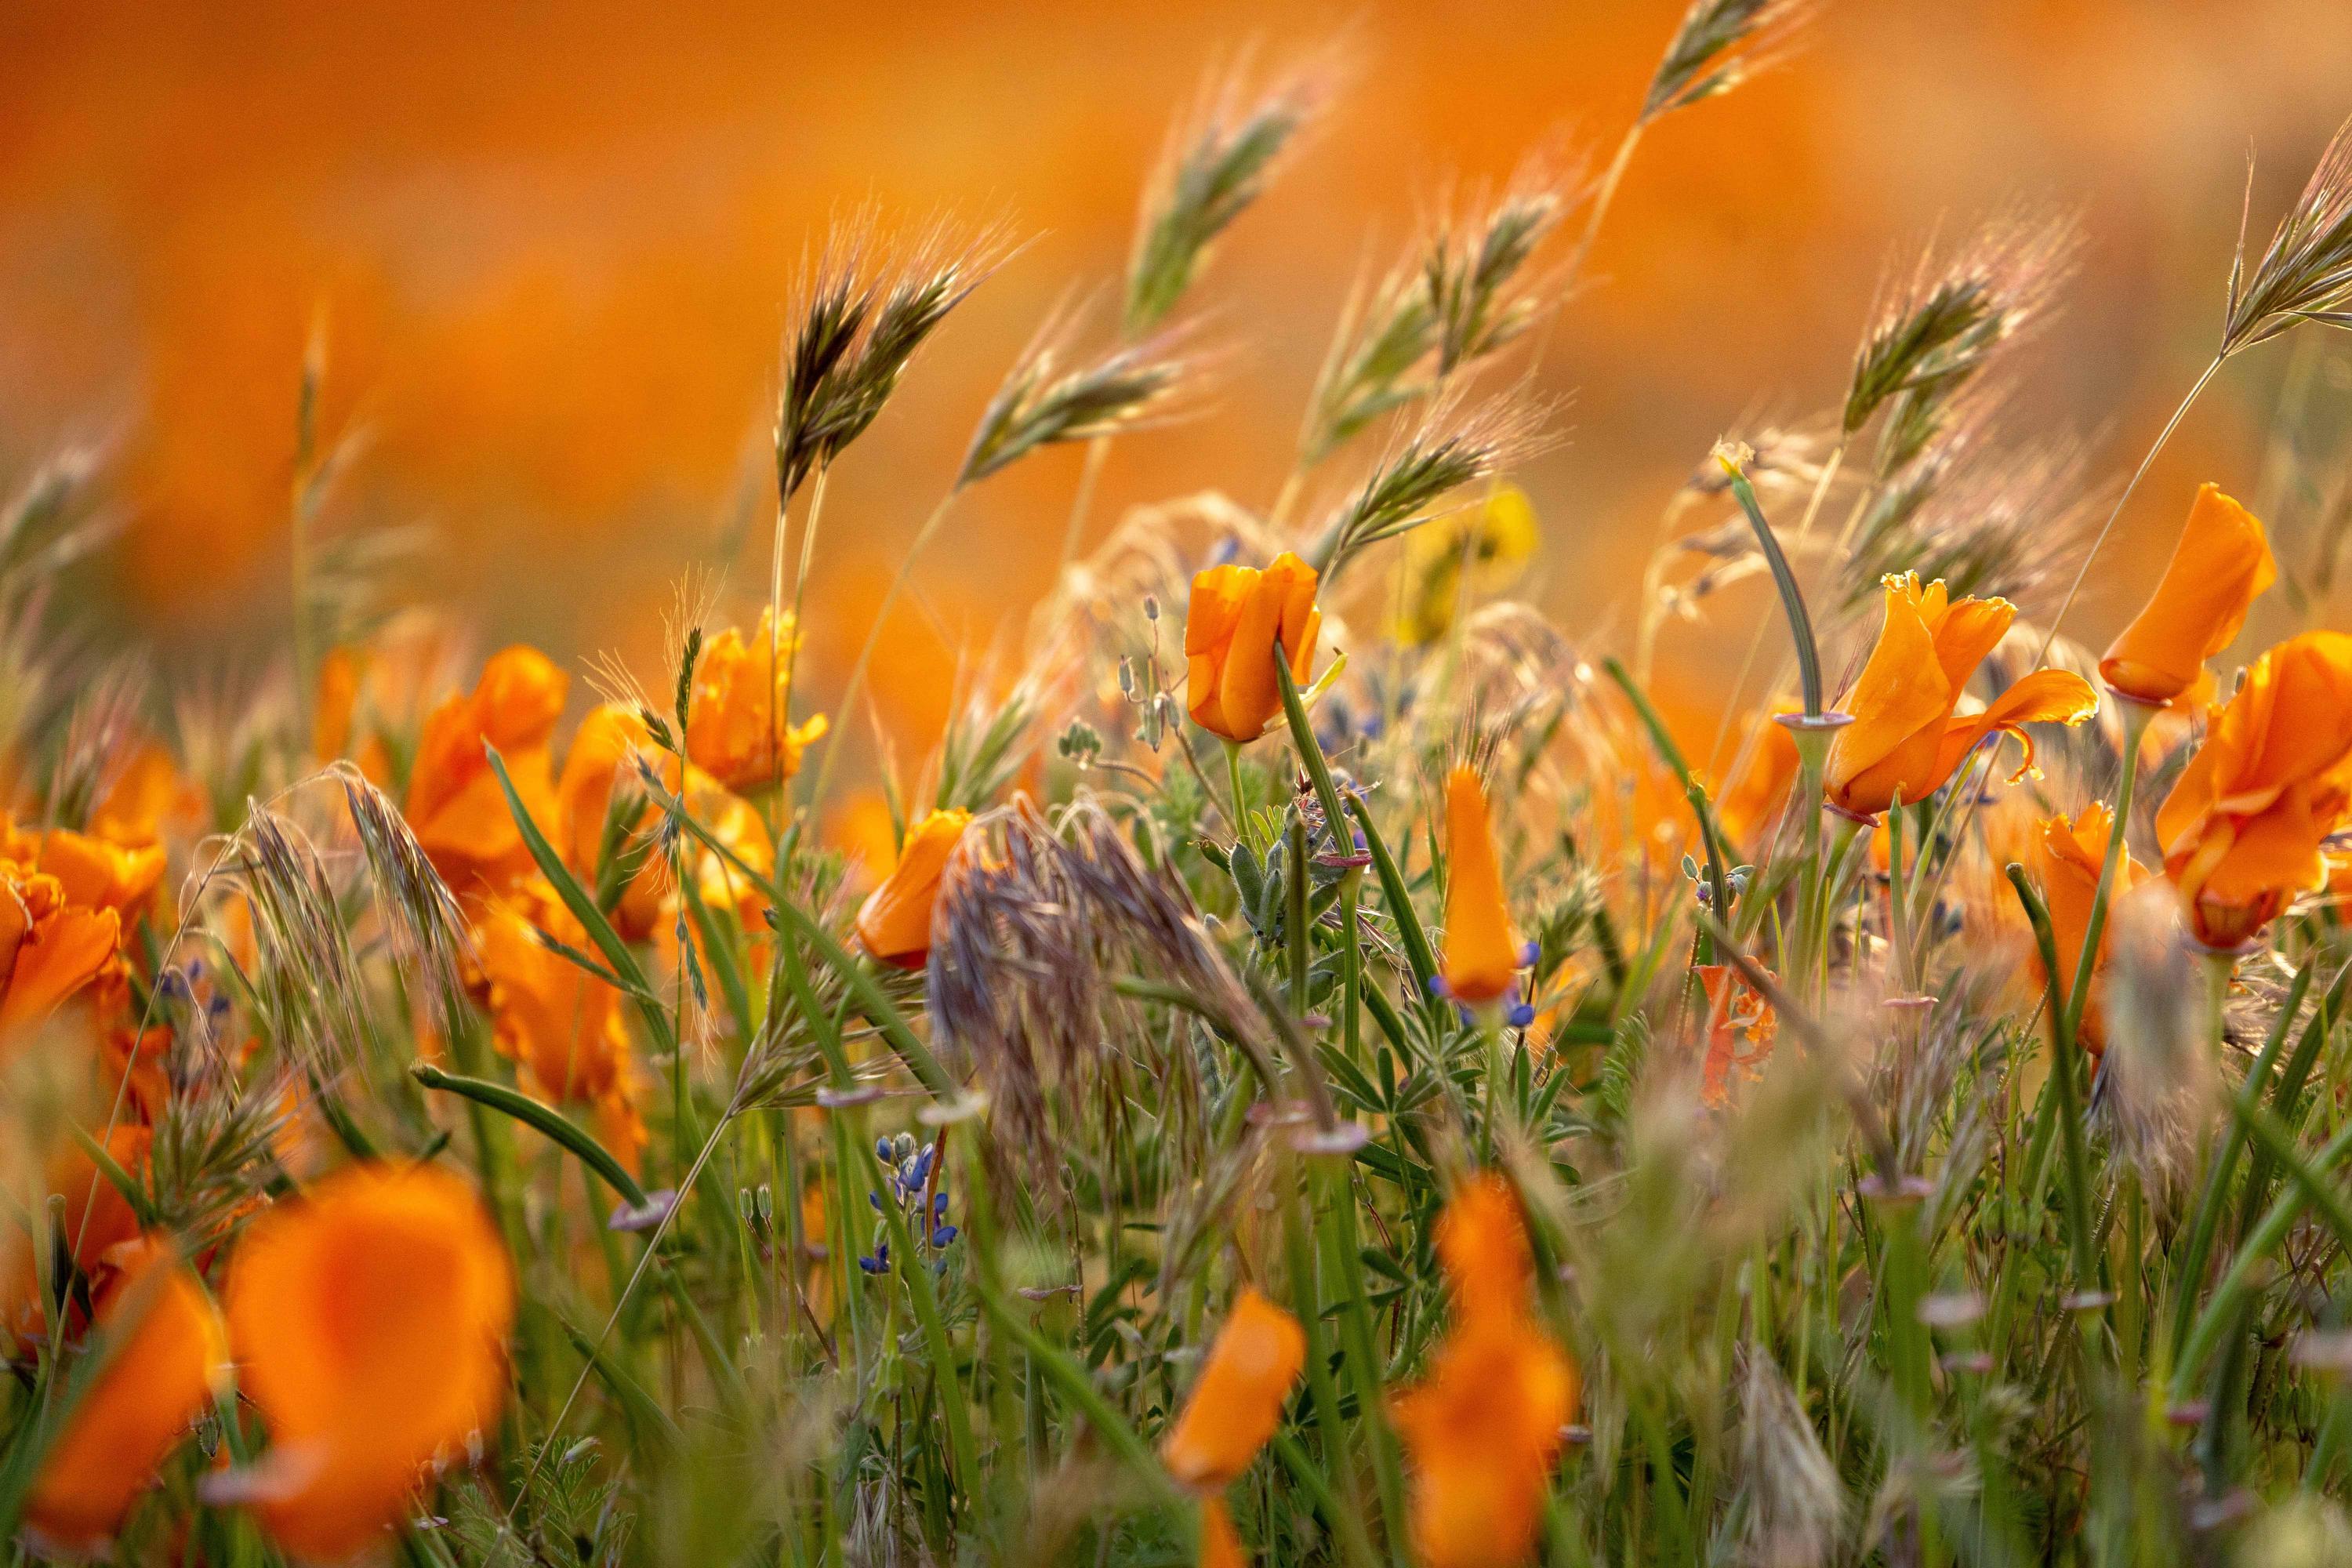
column 1041, row 404
column 1219, row 156
column 1934, row 334
column 1460, row 295
column 2306, row 275
column 863, row 315
column 1474, row 269
column 1721, row 44
column 1456, row 447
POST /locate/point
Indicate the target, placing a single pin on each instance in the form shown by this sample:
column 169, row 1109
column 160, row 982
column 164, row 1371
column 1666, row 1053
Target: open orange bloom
column 99, row 873
column 2220, row 563
column 1905, row 738
column 2243, row 828
column 369, row 1320
column 2068, row 855
column 1237, row 1400
column 561, row 1023
column 50, row 947
column 1741, row 1030
column 894, row 923
column 1230, row 627
column 1482, row 955
column 1484, row 1427
column 454, row 804
column 739, row 715
column 157, row 1381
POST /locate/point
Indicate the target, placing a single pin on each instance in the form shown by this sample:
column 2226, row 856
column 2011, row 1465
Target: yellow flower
column 1905, row 738
column 2243, row 830
column 157, row 1381
column 1230, row 626
column 2222, row 562
column 369, row 1319
column 454, row 804
column 1482, row 955
column 1236, row 1403
column 1484, row 1426
column 737, row 715
column 1495, row 539
column 894, row 923
column 2070, row 854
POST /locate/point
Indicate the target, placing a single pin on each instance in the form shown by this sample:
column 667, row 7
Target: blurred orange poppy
column 368, row 1321
column 1486, row 1424
column 1235, row 614
column 2069, row 855
column 459, row 814
column 2243, row 830
column 559, row 1023
column 1236, row 1403
column 172, row 1356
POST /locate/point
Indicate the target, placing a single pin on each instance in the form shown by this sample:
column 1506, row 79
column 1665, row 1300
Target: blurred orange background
column 551, row 245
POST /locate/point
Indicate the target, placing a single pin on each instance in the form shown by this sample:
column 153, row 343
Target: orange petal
column 2044, row 696
column 2222, row 562
column 894, row 923
column 1482, row 955
column 369, row 1319
column 157, row 1381
column 1236, row 1403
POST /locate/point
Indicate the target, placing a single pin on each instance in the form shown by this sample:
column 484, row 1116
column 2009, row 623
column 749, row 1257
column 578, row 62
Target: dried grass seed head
column 1041, row 404
column 1719, row 44
column 2305, row 272
column 1219, row 158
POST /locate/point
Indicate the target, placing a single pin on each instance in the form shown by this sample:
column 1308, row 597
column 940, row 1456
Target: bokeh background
column 550, row 244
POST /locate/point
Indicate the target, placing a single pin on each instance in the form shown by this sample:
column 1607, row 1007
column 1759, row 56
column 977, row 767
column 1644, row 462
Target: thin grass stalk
column 2080, row 1219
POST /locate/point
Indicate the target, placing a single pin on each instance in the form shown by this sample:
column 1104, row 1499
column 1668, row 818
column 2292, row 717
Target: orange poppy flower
column 1236, row 1403
column 894, row 923
column 368, row 1321
column 51, row 948
column 737, row 715
column 1220, row 1545
column 2222, row 562
column 1905, row 738
column 1741, row 1030
column 1760, row 783
column 95, row 1219
column 2243, row 828
column 99, row 873
column 156, row 1382
column 1482, row 954
column 454, row 804
column 1484, row 1426
column 561, row 1023
column 2069, row 855
column 145, row 796
column 1230, row 627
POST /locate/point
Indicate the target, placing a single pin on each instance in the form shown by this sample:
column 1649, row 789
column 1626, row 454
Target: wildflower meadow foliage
column 1314, row 1068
